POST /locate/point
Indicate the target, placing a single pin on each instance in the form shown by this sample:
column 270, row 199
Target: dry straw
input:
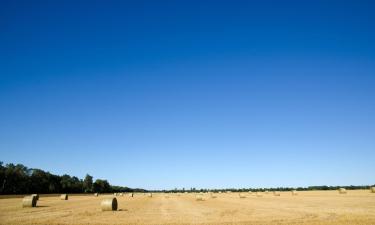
column 29, row 201
column 294, row 192
column 64, row 197
column 131, row 194
column 150, row 195
column 372, row 189
column 241, row 195
column 276, row 193
column 109, row 204
column 342, row 190
column 259, row 194
column 199, row 197
column 36, row 196
column 212, row 195
column 96, row 194
column 266, row 192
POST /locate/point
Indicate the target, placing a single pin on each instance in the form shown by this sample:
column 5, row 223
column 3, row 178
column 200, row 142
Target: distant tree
column 2, row 177
column 54, row 184
column 66, row 183
column 16, row 179
column 88, row 183
column 39, row 181
column 101, row 186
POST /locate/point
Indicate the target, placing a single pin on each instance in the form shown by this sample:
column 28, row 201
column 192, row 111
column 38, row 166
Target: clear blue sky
column 204, row 94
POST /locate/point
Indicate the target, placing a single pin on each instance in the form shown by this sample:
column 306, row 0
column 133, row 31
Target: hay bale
column 199, row 197
column 372, row 189
column 96, row 194
column 131, row 195
column 276, row 193
column 121, row 194
column 150, row 195
column 266, row 192
column 36, row 196
column 294, row 192
column 342, row 190
column 64, row 197
column 259, row 194
column 109, row 204
column 29, row 201
column 241, row 195
column 212, row 195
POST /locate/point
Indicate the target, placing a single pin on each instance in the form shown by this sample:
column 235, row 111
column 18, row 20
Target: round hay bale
column 259, row 194
column 212, row 195
column 29, row 201
column 96, row 194
column 342, row 190
column 372, row 189
column 131, row 195
column 241, row 195
column 64, row 197
column 150, row 195
column 294, row 192
column 276, row 193
column 36, row 196
column 199, row 197
column 109, row 204
column 266, row 192
column 121, row 194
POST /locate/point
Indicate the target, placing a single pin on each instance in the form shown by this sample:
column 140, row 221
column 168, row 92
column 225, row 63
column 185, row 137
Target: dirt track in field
column 310, row 207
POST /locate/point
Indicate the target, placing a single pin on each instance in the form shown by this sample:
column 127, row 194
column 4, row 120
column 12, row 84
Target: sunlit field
column 308, row 207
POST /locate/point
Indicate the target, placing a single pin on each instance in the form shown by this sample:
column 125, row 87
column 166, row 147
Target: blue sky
column 203, row 94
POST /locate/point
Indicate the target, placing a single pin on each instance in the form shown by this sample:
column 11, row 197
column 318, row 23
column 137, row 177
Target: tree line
column 18, row 179
column 309, row 188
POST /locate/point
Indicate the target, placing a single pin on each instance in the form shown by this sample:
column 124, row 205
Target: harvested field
column 308, row 207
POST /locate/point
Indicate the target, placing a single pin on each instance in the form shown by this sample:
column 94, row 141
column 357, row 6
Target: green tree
column 102, row 186
column 2, row 177
column 88, row 184
column 16, row 179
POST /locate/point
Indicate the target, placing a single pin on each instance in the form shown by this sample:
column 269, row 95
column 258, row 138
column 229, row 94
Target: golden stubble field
column 308, row 207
